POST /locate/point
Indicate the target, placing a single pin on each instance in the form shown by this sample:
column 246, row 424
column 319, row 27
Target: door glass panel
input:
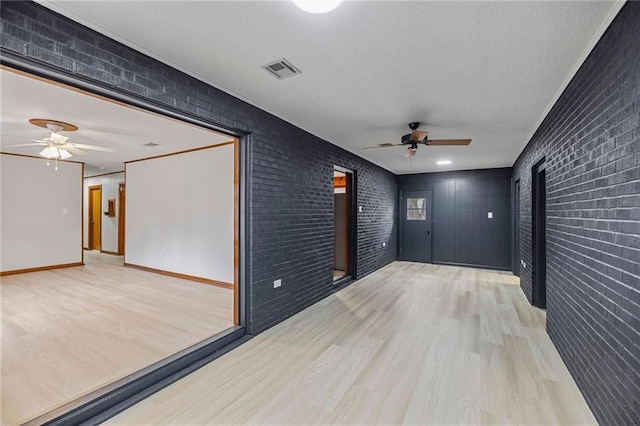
column 416, row 209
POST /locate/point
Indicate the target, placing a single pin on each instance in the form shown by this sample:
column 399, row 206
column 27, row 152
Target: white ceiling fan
column 56, row 146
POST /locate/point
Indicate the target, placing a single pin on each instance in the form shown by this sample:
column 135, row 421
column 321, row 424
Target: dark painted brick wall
column 291, row 171
column 591, row 141
column 462, row 232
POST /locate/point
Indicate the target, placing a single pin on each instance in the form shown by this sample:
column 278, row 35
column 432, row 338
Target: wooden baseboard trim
column 85, row 248
column 115, row 253
column 182, row 276
column 40, row 268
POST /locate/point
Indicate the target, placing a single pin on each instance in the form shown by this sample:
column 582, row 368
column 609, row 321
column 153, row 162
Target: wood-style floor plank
column 411, row 343
column 68, row 332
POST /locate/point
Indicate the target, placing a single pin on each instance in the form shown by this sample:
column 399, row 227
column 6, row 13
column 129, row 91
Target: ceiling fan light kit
column 53, row 152
column 56, row 146
column 420, row 137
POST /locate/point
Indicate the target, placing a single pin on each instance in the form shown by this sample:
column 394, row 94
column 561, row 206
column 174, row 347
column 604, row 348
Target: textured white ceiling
column 482, row 70
column 100, row 123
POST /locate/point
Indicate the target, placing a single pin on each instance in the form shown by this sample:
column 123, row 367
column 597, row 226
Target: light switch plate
column 490, row 215
column 277, row 283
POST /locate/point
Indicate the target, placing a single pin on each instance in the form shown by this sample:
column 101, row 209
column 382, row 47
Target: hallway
column 411, row 343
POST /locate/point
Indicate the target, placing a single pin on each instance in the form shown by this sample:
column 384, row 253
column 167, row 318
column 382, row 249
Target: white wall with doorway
column 180, row 213
column 41, row 213
column 110, row 187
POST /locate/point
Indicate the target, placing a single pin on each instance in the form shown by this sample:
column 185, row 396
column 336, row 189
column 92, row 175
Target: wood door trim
column 236, row 231
column 40, row 268
column 347, row 227
column 103, row 174
column 92, row 244
column 82, row 216
column 181, row 152
column 181, row 276
column 41, row 158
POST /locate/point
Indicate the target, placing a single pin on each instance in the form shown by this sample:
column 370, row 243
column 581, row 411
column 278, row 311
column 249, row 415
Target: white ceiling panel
column 488, row 71
column 100, row 122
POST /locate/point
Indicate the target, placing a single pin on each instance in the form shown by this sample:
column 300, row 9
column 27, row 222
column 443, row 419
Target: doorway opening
column 95, row 217
column 415, row 226
column 343, row 225
column 160, row 282
column 516, row 229
column 539, row 242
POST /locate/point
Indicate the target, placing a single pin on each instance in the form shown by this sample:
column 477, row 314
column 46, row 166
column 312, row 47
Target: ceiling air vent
column 281, row 69
column 151, row 144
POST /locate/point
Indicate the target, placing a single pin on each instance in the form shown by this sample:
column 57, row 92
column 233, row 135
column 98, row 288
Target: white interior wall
column 40, row 214
column 179, row 213
column 110, row 185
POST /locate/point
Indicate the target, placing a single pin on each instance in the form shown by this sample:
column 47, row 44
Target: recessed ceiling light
column 443, row 162
column 317, row 6
column 101, row 168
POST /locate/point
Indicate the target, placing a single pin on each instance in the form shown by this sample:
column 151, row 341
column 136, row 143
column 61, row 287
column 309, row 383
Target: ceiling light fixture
column 317, row 6
column 443, row 162
column 56, row 146
column 55, row 152
column 50, row 152
column 64, row 154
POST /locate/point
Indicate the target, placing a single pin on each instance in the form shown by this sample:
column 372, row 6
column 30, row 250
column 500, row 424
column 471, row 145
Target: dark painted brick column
column 591, row 141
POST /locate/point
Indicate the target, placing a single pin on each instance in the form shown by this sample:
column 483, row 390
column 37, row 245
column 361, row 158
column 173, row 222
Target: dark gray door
column 415, row 226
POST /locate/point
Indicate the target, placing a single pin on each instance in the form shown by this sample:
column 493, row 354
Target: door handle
column 429, row 232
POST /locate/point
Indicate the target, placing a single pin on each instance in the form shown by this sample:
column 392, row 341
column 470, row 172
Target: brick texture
column 591, row 142
column 290, row 201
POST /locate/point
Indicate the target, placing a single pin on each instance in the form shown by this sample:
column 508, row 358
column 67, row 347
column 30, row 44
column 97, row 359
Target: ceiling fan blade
column 418, row 135
column 448, row 142
column 25, row 144
column 74, row 150
column 16, row 137
column 383, row 145
column 92, row 147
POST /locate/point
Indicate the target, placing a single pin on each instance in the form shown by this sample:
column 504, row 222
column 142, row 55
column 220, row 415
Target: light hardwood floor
column 67, row 332
column 411, row 343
